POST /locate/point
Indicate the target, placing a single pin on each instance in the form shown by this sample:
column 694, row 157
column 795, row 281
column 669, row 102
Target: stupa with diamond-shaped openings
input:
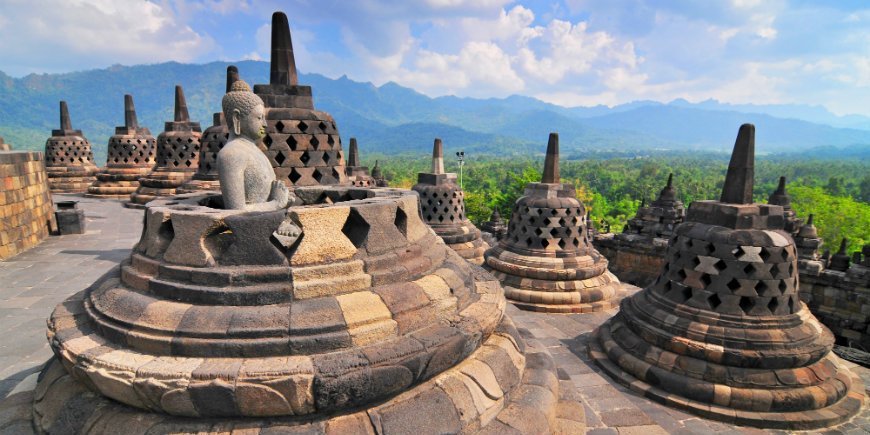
column 546, row 262
column 132, row 154
column 302, row 143
column 178, row 152
column 722, row 332
column 69, row 161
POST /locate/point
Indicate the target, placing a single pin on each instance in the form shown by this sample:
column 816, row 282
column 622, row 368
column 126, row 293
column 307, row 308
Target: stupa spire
column 741, row 169
column 65, row 122
column 353, row 153
column 232, row 77
column 551, row 161
column 780, row 189
column 130, row 120
column 181, row 113
column 437, row 157
column 283, row 67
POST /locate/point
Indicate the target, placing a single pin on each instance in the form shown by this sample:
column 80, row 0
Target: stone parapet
column 633, row 258
column 26, row 210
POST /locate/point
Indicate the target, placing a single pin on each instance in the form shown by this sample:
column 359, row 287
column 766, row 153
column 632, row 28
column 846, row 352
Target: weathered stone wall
column 633, row 258
column 26, row 210
column 841, row 300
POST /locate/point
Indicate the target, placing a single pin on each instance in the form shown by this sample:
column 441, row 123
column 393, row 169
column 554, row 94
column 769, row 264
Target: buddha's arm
column 278, row 195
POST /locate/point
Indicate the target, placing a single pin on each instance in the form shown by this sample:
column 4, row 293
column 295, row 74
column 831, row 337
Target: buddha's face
column 253, row 124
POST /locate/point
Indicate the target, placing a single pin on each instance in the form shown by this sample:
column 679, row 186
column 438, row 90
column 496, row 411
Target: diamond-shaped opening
column 561, row 222
column 279, row 126
column 773, row 305
column 279, row 158
column 720, row 265
column 709, row 248
column 528, row 241
column 749, row 269
column 538, row 232
column 782, row 286
column 540, row 211
column 764, row 254
column 761, row 287
column 687, row 293
column 355, row 228
column 317, row 175
column 562, row 243
column 305, row 158
column 267, row 141
column 303, row 126
column 326, row 158
column 681, row 274
column 706, row 280
column 714, row 301
column 737, row 252
column 314, row 142
column 330, row 140
column 696, row 262
column 576, row 243
column 791, row 304
column 746, row 303
column 544, row 243
column 733, row 284
column 401, row 221
column 554, row 212
column 292, row 143
column 294, row 176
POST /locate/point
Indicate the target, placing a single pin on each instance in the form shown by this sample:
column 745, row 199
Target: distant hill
column 394, row 119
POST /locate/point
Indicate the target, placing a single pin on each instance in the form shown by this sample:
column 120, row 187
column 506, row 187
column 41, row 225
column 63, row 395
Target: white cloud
column 78, row 34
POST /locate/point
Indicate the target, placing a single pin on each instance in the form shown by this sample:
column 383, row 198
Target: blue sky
column 569, row 52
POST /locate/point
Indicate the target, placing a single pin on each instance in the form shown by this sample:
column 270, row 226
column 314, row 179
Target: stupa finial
column 65, row 122
column 181, row 113
column 283, row 67
column 741, row 169
column 551, row 161
column 780, row 189
column 437, row 157
column 130, row 120
column 353, row 153
column 232, row 77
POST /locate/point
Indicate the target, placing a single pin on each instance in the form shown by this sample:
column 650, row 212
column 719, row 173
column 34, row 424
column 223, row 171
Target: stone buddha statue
column 246, row 177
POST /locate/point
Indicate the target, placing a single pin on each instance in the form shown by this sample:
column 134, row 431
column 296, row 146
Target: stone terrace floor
column 32, row 283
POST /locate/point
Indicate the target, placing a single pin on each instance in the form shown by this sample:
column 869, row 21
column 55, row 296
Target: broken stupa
column 302, row 143
column 722, row 332
column 343, row 313
column 69, row 161
column 131, row 156
column 357, row 175
column 442, row 204
column 546, row 262
column 178, row 153
column 212, row 140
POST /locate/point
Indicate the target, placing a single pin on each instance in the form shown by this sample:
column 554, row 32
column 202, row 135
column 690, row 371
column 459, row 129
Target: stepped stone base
column 194, row 185
column 157, row 184
column 500, row 388
column 601, row 344
column 70, row 180
column 117, row 183
column 471, row 251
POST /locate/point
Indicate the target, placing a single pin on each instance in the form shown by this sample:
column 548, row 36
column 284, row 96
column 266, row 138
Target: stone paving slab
column 32, row 283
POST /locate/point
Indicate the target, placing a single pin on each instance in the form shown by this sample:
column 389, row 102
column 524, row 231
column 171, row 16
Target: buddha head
column 244, row 112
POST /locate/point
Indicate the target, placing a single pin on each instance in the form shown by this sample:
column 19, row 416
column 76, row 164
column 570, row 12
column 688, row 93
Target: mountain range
column 392, row 119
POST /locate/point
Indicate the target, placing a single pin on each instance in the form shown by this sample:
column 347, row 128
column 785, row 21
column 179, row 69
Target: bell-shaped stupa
column 661, row 217
column 69, row 161
column 212, row 141
column 442, row 205
column 722, row 332
column 781, row 198
column 546, row 262
column 132, row 154
column 302, row 143
column 178, row 152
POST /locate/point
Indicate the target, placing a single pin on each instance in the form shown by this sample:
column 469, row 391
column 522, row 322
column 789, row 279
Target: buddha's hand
column 279, row 193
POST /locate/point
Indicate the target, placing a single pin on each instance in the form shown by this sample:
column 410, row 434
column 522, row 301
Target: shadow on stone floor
column 10, row 382
column 111, row 254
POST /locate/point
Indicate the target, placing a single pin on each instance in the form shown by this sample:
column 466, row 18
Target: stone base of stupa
column 159, row 183
column 199, row 185
column 117, row 183
column 70, row 179
column 553, row 284
column 463, row 238
column 500, row 388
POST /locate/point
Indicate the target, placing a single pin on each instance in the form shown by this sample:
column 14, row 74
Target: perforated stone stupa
column 178, row 153
column 69, row 161
column 213, row 140
column 302, row 143
column 357, row 174
column 722, row 332
column 546, row 262
column 132, row 154
column 442, row 204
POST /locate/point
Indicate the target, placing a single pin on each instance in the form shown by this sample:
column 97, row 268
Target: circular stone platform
column 342, row 314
